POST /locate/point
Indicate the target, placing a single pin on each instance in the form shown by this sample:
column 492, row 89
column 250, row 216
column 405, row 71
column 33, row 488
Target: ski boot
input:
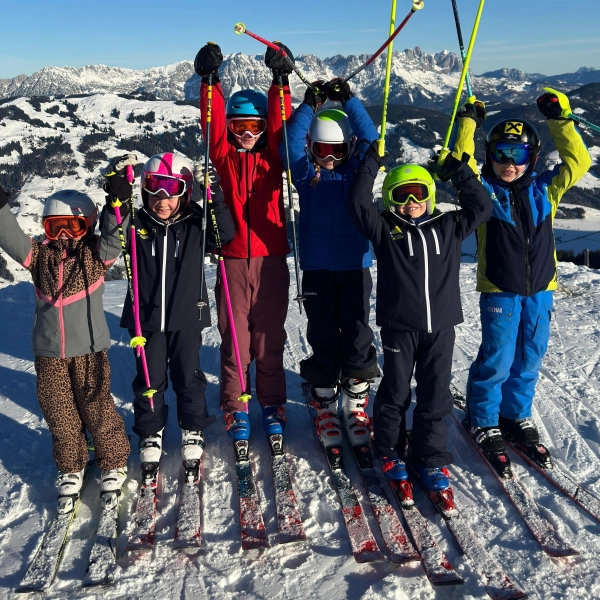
column 274, row 419
column 524, row 435
column 192, row 447
column 436, row 482
column 69, row 486
column 150, row 450
column 394, row 468
column 237, row 425
column 356, row 422
column 324, row 401
column 491, row 443
column 111, row 483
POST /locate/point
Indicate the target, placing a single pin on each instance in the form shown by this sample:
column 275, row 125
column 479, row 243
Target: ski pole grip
column 129, row 173
column 239, row 28
column 417, row 5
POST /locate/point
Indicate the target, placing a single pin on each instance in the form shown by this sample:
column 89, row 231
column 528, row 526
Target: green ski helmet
column 405, row 175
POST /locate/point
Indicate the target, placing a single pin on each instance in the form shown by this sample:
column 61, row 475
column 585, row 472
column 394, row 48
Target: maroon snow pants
column 259, row 290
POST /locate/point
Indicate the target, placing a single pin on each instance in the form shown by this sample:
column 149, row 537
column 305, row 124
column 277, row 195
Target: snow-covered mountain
column 427, row 80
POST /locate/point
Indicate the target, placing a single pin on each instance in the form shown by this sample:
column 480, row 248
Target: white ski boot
column 192, row 445
column 69, row 486
column 354, row 403
column 324, row 401
column 111, row 483
column 150, row 448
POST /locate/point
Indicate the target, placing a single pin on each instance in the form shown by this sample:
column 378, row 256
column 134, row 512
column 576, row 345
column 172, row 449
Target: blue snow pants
column 514, row 338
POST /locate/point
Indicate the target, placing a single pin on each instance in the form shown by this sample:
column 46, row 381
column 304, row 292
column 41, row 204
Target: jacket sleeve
column 224, row 221
column 219, row 146
column 475, row 202
column 17, row 244
column 361, row 208
column 465, row 142
column 361, row 123
column 575, row 157
column 109, row 243
column 274, row 124
column 300, row 165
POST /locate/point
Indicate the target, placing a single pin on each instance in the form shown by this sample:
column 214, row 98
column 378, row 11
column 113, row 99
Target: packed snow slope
column 566, row 410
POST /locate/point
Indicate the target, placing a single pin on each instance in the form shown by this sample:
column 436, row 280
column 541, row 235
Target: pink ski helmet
column 170, row 166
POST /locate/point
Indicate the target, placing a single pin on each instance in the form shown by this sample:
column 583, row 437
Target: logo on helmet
column 513, row 127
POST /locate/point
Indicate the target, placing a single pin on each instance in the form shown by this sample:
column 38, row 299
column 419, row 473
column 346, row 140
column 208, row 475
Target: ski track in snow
column 566, row 408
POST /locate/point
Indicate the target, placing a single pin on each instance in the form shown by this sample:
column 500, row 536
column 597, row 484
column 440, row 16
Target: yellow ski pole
column 386, row 84
column 461, row 83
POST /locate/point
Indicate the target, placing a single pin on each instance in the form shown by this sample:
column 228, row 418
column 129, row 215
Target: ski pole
column 416, row 5
column 201, row 302
column 461, row 82
column 240, row 28
column 299, row 298
column 245, row 396
column 567, row 114
column 386, row 84
column 471, row 97
column 138, row 341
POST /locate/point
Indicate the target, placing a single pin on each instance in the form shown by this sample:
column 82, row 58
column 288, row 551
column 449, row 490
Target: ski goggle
column 172, row 186
column 73, row 227
column 501, row 152
column 419, row 192
column 247, row 127
column 324, row 150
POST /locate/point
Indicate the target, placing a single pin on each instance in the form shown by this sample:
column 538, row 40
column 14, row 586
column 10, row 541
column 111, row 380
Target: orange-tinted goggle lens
column 73, row 227
column 254, row 126
column 411, row 191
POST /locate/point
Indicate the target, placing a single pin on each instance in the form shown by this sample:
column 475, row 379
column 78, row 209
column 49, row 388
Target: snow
column 567, row 405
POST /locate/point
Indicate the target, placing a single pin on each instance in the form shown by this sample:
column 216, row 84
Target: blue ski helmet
column 247, row 103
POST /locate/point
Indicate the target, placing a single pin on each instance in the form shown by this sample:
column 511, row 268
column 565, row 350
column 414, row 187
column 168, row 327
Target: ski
column 364, row 546
column 289, row 521
column 43, row 568
column 102, row 566
column 397, row 542
column 141, row 536
column 188, row 531
column 253, row 532
column 496, row 582
column 542, row 530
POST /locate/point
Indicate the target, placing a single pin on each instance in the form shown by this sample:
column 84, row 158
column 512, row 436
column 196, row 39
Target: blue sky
column 544, row 36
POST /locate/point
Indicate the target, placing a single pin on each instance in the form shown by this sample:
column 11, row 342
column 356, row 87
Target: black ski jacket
column 418, row 265
column 168, row 262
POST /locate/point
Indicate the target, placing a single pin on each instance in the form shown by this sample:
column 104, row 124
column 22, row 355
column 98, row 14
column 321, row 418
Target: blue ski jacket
column 328, row 238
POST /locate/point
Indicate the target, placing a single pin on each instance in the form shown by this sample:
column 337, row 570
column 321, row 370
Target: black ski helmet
column 513, row 130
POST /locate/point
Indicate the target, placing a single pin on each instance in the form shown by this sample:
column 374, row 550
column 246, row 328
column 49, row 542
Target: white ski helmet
column 71, row 203
column 172, row 165
column 330, row 126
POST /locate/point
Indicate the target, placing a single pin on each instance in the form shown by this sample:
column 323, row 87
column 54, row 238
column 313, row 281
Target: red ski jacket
column 252, row 181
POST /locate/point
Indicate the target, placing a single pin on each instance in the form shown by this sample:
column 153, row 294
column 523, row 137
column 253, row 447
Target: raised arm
column 302, row 169
column 17, row 244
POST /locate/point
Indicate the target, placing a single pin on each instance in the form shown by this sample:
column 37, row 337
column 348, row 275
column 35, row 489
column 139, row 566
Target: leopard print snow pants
column 74, row 395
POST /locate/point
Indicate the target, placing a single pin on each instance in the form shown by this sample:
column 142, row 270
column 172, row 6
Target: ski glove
column 207, row 62
column 451, row 168
column 475, row 111
column 277, row 62
column 338, row 91
column 3, row 198
column 316, row 99
column 553, row 104
column 371, row 160
column 213, row 176
column 117, row 186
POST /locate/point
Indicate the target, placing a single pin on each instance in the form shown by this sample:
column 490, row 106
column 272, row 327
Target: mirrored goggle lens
column 172, row 186
column 520, row 154
column 73, row 227
column 418, row 192
column 254, row 126
column 324, row 150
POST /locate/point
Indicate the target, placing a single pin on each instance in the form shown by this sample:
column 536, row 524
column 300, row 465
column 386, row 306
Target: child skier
column 71, row 338
column 335, row 259
column 168, row 244
column 244, row 139
column 418, row 303
column 516, row 272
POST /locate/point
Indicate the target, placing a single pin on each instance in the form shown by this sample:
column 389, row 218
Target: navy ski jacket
column 328, row 238
column 418, row 264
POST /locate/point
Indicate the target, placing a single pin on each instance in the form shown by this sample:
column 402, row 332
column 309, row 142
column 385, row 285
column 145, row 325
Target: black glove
column 552, row 105
column 338, row 91
column 207, row 62
column 371, row 160
column 3, row 198
column 451, row 168
column 475, row 111
column 278, row 64
column 117, row 185
column 318, row 98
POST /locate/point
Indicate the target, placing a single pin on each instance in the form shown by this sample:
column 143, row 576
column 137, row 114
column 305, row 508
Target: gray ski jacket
column 68, row 281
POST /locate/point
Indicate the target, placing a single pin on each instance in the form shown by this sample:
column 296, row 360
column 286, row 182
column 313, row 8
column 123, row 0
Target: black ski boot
column 525, row 437
column 491, row 443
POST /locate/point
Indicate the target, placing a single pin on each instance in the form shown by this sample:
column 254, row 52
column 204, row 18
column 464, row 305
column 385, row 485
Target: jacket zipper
column 522, row 218
column 410, row 246
column 427, row 302
column 163, row 280
column 248, row 203
column 61, row 317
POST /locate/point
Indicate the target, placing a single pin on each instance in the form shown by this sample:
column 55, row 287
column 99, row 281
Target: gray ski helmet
column 71, row 203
